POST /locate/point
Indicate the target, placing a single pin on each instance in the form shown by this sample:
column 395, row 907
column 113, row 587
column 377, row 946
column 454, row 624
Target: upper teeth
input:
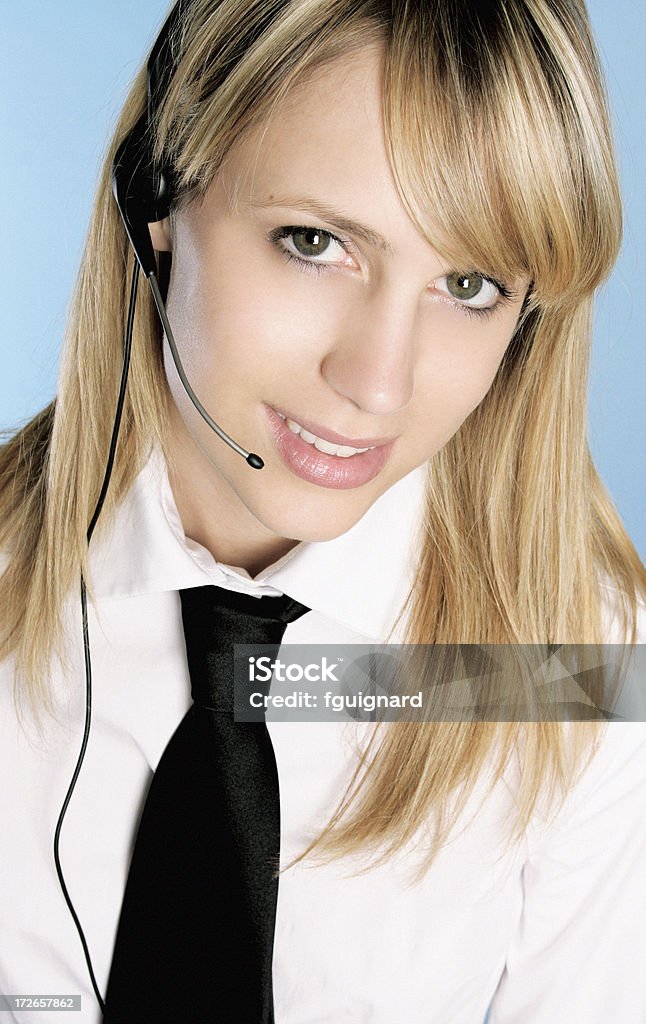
column 344, row 450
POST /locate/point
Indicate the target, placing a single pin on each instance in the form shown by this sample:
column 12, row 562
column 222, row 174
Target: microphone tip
column 255, row 461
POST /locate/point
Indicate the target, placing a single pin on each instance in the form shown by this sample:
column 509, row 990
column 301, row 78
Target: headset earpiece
column 142, row 190
column 133, row 188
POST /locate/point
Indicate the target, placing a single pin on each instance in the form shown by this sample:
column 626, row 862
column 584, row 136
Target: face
column 305, row 304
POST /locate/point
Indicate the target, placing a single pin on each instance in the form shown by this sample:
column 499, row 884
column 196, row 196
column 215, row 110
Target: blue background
column 64, row 72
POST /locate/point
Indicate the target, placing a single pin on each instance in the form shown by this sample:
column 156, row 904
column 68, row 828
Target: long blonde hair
column 499, row 141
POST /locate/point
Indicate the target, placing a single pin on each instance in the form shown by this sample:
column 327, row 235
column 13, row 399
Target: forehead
column 322, row 150
column 326, row 132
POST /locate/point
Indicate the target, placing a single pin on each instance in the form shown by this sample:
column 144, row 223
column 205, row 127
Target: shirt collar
column 360, row 579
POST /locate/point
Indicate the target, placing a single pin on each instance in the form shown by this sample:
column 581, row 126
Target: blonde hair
column 499, row 140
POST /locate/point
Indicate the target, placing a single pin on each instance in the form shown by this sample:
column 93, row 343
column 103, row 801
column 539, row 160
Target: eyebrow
column 334, row 217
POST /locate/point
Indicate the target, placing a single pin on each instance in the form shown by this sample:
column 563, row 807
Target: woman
column 386, row 230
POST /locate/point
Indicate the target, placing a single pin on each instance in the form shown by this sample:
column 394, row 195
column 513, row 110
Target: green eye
column 464, row 286
column 311, row 241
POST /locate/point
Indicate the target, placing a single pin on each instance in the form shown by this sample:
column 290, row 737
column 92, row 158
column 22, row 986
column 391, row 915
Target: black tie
column 196, row 932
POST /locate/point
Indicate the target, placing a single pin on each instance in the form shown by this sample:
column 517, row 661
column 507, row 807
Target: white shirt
column 552, row 930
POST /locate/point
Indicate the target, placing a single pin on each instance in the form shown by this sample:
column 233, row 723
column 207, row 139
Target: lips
column 332, row 471
column 332, row 436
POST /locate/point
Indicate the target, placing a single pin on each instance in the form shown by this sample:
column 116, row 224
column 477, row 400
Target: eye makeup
column 278, row 236
column 312, row 237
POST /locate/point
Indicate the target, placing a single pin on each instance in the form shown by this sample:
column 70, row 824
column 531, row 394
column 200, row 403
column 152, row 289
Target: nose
column 372, row 360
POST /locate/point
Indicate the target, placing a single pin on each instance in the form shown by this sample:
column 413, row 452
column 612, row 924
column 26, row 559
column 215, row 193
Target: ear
column 161, row 235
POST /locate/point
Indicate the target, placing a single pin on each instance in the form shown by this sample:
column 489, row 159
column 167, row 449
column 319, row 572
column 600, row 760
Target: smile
column 323, row 461
column 342, row 450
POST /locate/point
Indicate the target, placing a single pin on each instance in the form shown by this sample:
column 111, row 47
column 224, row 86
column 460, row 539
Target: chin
column 308, row 527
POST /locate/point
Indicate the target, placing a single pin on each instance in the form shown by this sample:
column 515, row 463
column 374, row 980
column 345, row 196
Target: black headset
column 143, row 192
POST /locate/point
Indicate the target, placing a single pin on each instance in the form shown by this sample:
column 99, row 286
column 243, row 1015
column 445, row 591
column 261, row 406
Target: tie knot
column 214, row 620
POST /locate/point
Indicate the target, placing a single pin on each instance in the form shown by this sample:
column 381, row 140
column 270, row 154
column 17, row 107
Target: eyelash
column 308, row 265
column 506, row 295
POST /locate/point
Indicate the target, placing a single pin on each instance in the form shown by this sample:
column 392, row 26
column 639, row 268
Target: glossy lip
column 331, row 471
column 331, row 435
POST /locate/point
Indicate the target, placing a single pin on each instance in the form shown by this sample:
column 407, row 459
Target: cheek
column 456, row 374
column 230, row 309
column 466, row 382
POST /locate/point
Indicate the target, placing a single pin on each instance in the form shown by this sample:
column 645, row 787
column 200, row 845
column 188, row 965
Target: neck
column 212, row 514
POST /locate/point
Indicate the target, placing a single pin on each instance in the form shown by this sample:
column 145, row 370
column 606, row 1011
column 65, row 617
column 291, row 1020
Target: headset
column 143, row 192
